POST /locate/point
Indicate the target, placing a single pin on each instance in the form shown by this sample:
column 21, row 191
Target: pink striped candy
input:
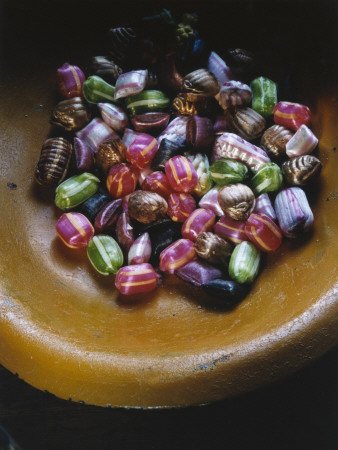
column 70, row 80
column 129, row 136
column 301, row 143
column 95, row 133
column 136, row 279
column 199, row 221
column 177, row 255
column 291, row 115
column 130, row 83
column 263, row 205
column 74, row 229
column 143, row 173
column 140, row 251
column 157, row 182
column 263, row 232
column 219, row 68
column 210, row 201
column 121, row 180
column 180, row 206
column 231, row 230
column 181, row 174
column 113, row 116
column 234, row 93
column 142, row 150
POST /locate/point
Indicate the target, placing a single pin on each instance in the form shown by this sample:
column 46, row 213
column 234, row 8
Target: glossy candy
column 168, row 74
column 201, row 165
column 227, row 171
column 54, row 160
column 187, row 103
column 124, row 232
column 264, row 96
column 242, row 63
column 167, row 149
column 129, row 136
column 75, row 190
column 106, row 219
column 140, row 251
column 274, row 141
column 210, row 201
column 105, row 254
column 157, row 182
column 146, row 206
column 231, row 230
column 147, row 101
column 267, row 179
column 219, row 68
column 198, row 272
column 95, row 133
column 223, row 123
column 69, row 80
column 130, row 83
column 161, row 237
column 96, row 90
column 104, row 68
column 71, row 114
column 136, row 279
column 180, row 206
column 109, row 153
column 142, row 150
column 177, row 255
column 143, row 173
column 121, row 180
column 176, row 131
column 199, row 221
column 302, row 170
column 228, row 291
column 247, row 123
column 74, row 230
column 213, row 248
column 291, row 115
column 201, row 81
column 93, row 205
column 236, row 200
column 263, row 232
column 113, row 116
column 301, row 143
column 234, row 93
column 121, row 41
column 82, row 157
column 152, row 122
column 264, row 206
column 244, row 262
column 181, row 174
column 200, row 136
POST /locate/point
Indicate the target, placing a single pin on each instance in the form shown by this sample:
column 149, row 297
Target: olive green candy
column 147, row 101
column 227, row 171
column 96, row 90
column 76, row 190
column 105, row 254
column 244, row 262
column 268, row 179
column 264, row 96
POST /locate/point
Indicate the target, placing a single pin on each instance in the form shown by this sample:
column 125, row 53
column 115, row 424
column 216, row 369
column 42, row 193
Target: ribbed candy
column 180, row 206
column 106, row 219
column 228, row 171
column 104, row 68
column 105, row 254
column 130, row 83
column 267, row 179
column 293, row 212
column 147, row 101
column 210, row 201
column 140, row 251
column 75, row 190
column 302, row 170
column 247, row 123
column 219, row 68
column 264, row 96
column 74, row 229
column 198, row 272
column 274, row 140
column 69, row 80
column 234, row 93
column 201, row 81
column 142, row 150
column 201, row 165
column 151, row 122
column 181, row 174
column 301, row 143
column 187, row 103
column 264, row 206
column 96, row 90
column 121, row 40
column 95, row 133
column 229, row 145
column 291, row 115
column 146, row 206
column 121, row 180
column 230, row 229
column 136, row 279
column 113, row 116
column 71, row 114
column 198, row 222
column 244, row 262
column 213, row 248
column 157, row 182
column 200, row 136
column 263, row 232
column 177, row 255
column 110, row 152
column 82, row 157
column 236, row 200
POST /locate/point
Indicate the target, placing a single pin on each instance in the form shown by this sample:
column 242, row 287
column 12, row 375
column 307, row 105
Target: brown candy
column 109, row 153
column 237, row 201
column 248, row 123
column 191, row 103
column 213, row 248
column 146, row 206
column 274, row 141
column 200, row 133
column 71, row 114
column 300, row 171
column 201, row 81
column 105, row 68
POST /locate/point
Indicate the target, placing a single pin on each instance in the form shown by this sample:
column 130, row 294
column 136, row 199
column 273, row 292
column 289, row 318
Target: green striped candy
column 264, row 96
column 244, row 262
column 96, row 90
column 268, row 179
column 147, row 101
column 76, row 190
column 227, row 171
column 105, row 254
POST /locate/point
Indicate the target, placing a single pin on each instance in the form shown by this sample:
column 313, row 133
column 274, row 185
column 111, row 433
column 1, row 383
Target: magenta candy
column 82, row 157
column 124, row 232
column 263, row 232
column 129, row 136
column 106, row 219
column 96, row 132
column 291, row 115
column 143, row 173
column 142, row 150
column 301, row 143
column 264, row 206
column 70, row 80
column 198, row 272
column 136, row 279
column 74, row 229
column 200, row 133
column 234, row 93
column 140, row 251
column 113, row 116
column 121, row 180
column 177, row 255
column 130, row 83
column 181, row 174
column 231, row 230
column 125, row 200
column 180, row 206
column 157, row 182
column 219, row 68
column 210, row 201
column 199, row 221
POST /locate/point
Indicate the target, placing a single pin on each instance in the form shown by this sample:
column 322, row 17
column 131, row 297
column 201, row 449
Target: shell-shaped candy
column 236, row 200
column 177, row 255
column 113, row 116
column 200, row 135
column 213, row 248
column 291, row 115
column 142, row 150
column 106, row 219
column 136, row 279
column 140, row 251
column 82, row 157
column 147, row 101
column 267, row 179
column 166, row 150
column 71, row 114
column 231, row 230
column 121, row 180
column 228, row 171
column 302, row 170
column 96, row 90
column 242, row 63
column 234, row 93
column 152, row 122
column 75, row 190
column 264, row 96
column 248, row 123
column 121, row 40
column 228, row 291
column 181, row 174
column 293, row 211
column 157, row 182
column 176, row 131
column 105, row 254
column 74, row 229
column 130, row 83
column 69, row 80
column 93, row 205
column 124, row 232
column 219, row 68
column 244, row 262
column 264, row 206
column 54, row 160
column 198, row 272
column 109, row 153
column 201, row 81
column 180, row 206
column 263, row 232
column 105, row 68
column 186, row 103
column 201, row 165
column 95, row 133
column 301, row 143
column 146, row 206
column 210, row 201
column 199, row 221
column 274, row 141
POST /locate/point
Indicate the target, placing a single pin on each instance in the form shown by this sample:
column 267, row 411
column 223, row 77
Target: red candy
column 263, row 232
column 177, row 255
column 121, row 180
column 74, row 229
column 157, row 182
column 180, row 206
column 135, row 279
column 231, row 230
column 291, row 115
column 181, row 174
column 199, row 221
column 142, row 150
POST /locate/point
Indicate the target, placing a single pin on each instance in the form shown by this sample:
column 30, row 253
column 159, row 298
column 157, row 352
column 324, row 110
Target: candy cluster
column 168, row 162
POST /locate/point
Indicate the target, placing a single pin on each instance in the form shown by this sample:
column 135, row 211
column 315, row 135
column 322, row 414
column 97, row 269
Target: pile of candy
column 169, row 170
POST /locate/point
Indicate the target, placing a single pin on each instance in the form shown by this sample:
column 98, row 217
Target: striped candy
column 210, row 201
column 147, row 101
column 121, row 180
column 74, row 229
column 130, row 83
column 142, row 150
column 176, row 131
column 234, row 93
column 291, row 115
column 95, row 133
column 140, row 251
column 69, row 80
column 177, row 255
column 226, row 171
column 263, row 232
column 201, row 165
column 264, row 206
column 230, row 229
column 105, row 254
column 181, row 174
column 219, row 68
column 301, row 143
column 143, row 173
column 113, row 116
column 267, row 179
column 199, row 221
column 76, row 190
column 244, row 262
column 96, row 90
column 180, row 206
column 264, row 96
column 157, row 182
column 136, row 279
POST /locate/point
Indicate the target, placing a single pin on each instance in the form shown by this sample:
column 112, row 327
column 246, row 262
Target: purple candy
column 198, row 272
column 95, row 133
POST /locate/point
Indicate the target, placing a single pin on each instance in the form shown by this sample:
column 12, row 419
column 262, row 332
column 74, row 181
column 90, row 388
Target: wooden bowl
column 63, row 328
